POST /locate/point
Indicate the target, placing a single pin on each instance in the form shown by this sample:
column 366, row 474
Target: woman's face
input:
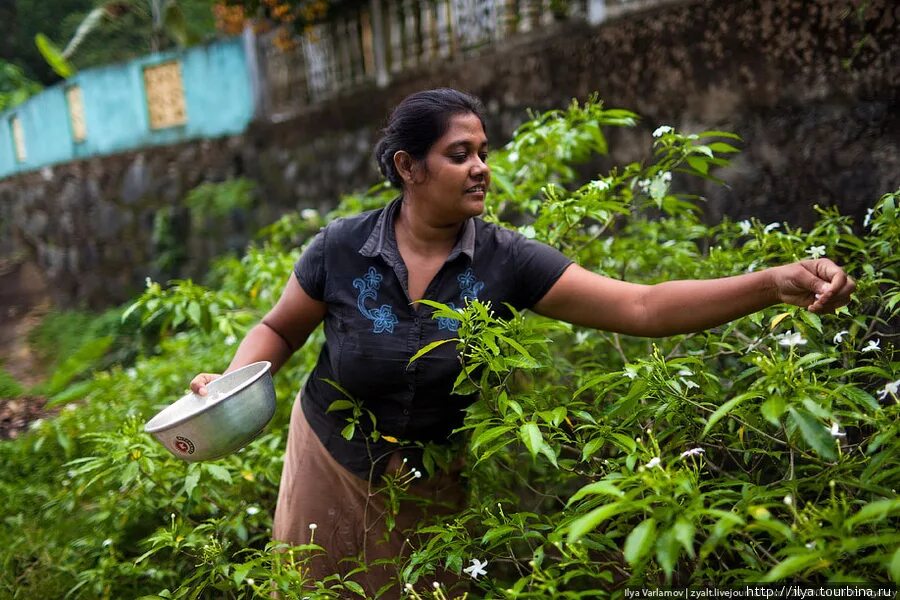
column 456, row 177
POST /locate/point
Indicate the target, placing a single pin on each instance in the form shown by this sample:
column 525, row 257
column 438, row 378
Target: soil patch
column 23, row 303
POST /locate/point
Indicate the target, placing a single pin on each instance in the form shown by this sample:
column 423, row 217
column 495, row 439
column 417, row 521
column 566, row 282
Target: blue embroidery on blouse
column 448, row 323
column 469, row 287
column 383, row 317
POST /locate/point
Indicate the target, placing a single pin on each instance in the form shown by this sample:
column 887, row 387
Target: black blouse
column 372, row 329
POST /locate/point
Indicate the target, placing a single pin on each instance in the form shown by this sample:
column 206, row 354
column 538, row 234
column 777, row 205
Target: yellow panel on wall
column 165, row 95
column 18, row 138
column 76, row 113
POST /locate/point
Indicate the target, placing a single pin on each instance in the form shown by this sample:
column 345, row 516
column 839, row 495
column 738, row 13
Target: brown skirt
column 350, row 513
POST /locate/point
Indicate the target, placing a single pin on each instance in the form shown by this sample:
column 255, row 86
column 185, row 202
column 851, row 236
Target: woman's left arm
column 584, row 298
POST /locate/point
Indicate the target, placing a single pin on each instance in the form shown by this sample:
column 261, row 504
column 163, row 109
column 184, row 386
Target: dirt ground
column 23, row 302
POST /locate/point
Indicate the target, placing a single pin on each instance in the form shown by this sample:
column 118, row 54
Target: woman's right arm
column 280, row 333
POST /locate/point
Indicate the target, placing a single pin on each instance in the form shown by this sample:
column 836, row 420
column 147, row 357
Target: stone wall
column 812, row 87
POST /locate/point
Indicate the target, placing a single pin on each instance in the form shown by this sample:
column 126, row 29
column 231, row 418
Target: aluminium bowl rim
column 220, row 401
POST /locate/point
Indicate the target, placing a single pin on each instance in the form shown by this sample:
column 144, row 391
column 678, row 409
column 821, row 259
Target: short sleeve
column 310, row 268
column 538, row 267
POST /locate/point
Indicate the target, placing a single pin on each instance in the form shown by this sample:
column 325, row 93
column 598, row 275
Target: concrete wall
column 812, row 87
column 218, row 102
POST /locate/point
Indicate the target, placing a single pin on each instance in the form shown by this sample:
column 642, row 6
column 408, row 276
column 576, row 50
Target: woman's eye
column 459, row 158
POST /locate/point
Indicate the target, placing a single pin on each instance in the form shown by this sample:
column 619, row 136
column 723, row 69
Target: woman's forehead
column 464, row 129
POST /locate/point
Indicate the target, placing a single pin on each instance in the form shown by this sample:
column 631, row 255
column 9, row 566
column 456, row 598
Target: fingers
column 836, row 292
column 198, row 383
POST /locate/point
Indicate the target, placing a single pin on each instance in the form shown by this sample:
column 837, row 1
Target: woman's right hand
column 198, row 383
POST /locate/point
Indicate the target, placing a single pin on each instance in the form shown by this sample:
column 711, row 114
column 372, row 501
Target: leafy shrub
column 761, row 450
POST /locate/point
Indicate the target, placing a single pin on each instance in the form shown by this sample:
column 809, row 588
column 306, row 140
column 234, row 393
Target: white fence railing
column 379, row 39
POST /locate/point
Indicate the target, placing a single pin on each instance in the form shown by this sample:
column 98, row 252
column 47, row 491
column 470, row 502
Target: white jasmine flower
column 691, row 452
column 630, row 371
column 599, row 185
column 771, row 227
column 662, row 130
column 745, row 226
column 309, row 214
column 476, row 569
column 148, row 282
column 685, row 372
column 788, row 500
column 836, row 430
column 752, row 267
column 230, row 340
column 653, row 462
column 107, row 542
column 839, row 336
column 417, row 474
column 890, row 388
column 313, row 526
column 666, row 176
column 873, row 346
column 252, row 510
column 436, row 585
column 868, row 218
column 791, row 339
column 250, row 581
column 816, row 251
column 690, row 384
column 811, row 545
column 644, row 184
column 408, row 587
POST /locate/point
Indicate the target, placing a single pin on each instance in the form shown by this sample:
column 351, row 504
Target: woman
column 362, row 276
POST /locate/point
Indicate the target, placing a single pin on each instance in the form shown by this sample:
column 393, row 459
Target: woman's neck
column 416, row 232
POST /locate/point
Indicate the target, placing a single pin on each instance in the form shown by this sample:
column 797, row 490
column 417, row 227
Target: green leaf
column 355, row 587
column 194, row 312
column 597, row 487
column 667, row 550
column 590, row 521
column 347, row 432
column 340, row 405
column 698, row 164
column 811, row 319
column 53, row 56
column 531, row 436
column 425, row 350
column 874, row 511
column 591, row 448
column 725, row 409
column 895, row 566
column 815, row 434
column 772, row 409
column 240, row 572
column 723, row 148
column 190, row 482
column 497, row 532
column 792, row 565
column 490, row 435
column 218, row 472
column 639, row 541
column 684, row 533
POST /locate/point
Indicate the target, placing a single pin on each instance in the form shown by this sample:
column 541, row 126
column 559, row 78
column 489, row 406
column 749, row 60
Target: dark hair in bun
column 417, row 123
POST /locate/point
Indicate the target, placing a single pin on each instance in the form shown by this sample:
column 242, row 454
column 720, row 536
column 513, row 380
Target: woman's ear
column 406, row 167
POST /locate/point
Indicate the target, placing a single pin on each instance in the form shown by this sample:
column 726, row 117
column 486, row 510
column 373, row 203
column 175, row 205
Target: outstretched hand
column 820, row 285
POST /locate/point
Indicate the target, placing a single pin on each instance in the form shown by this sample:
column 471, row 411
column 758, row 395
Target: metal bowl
column 235, row 410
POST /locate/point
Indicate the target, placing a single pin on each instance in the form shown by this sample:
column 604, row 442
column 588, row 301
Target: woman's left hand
column 820, row 285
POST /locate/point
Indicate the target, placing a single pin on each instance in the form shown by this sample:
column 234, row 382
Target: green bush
column 762, row 450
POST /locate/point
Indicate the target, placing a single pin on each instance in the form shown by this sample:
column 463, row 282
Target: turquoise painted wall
column 218, row 101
